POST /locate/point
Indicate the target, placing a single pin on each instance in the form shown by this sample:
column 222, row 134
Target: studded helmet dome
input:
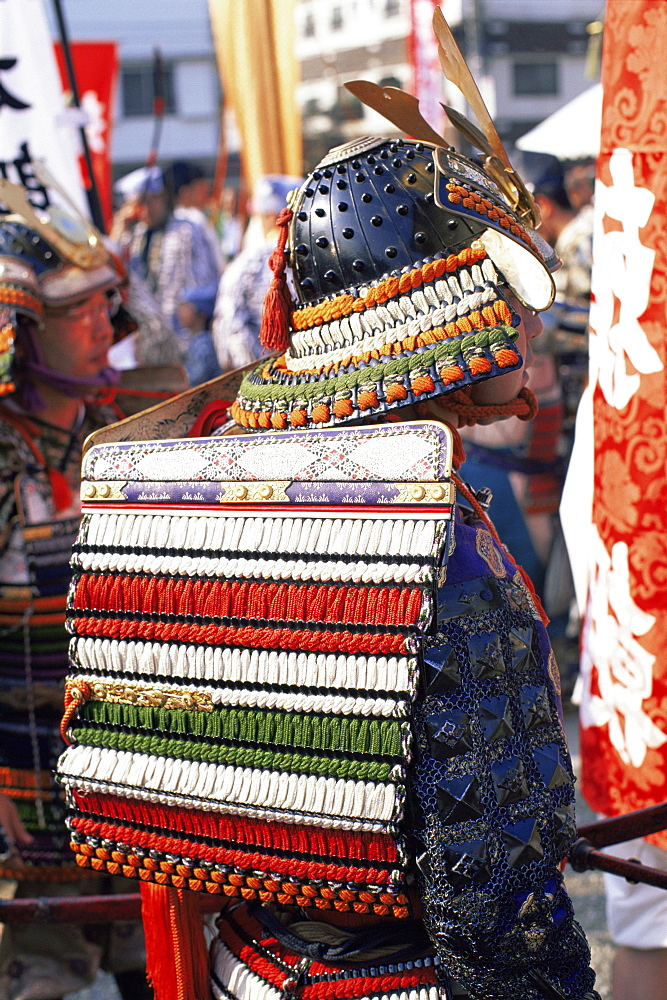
column 401, row 254
column 46, row 260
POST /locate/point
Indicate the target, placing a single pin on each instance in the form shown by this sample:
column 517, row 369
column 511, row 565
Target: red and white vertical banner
column 96, row 73
column 427, row 78
column 624, row 655
column 33, row 121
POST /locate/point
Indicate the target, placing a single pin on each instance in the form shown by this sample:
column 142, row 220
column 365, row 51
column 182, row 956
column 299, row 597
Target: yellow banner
column 254, row 44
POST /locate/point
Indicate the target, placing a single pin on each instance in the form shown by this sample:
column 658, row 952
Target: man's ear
column 546, row 206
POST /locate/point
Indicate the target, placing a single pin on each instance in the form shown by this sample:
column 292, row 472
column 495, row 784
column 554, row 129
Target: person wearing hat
column 238, row 309
column 58, row 301
column 192, row 195
column 169, row 253
column 195, row 312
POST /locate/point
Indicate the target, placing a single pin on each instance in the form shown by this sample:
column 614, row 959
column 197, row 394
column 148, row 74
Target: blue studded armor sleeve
column 493, row 788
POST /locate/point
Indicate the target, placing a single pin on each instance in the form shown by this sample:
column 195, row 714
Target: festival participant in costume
column 341, row 717
column 246, row 278
column 58, row 291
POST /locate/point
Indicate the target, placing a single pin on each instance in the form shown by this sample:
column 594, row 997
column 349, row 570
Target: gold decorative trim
column 426, row 493
column 255, row 492
column 122, row 693
column 102, row 491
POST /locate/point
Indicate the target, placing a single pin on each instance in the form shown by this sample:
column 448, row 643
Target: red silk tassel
column 275, row 329
column 176, row 960
column 60, row 490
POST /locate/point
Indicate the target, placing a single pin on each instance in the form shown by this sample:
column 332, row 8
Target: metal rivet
column 358, row 265
column 323, row 189
column 420, row 237
column 302, row 250
column 342, row 206
column 438, row 492
column 376, row 220
column 321, row 242
column 389, row 189
column 366, row 197
column 418, row 492
column 348, row 233
column 89, row 490
column 266, row 491
column 241, row 492
column 391, row 251
column 402, row 209
column 104, row 490
column 341, row 184
column 320, row 212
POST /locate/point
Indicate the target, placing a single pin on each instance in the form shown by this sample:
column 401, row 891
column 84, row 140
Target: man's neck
column 60, row 410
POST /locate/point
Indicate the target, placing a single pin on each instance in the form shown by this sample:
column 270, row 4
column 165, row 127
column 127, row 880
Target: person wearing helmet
column 346, row 726
column 58, row 297
column 418, row 291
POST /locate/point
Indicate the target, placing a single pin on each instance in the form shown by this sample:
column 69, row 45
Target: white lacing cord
column 255, row 569
column 162, row 779
column 391, row 322
column 431, row 315
column 226, row 665
column 285, row 536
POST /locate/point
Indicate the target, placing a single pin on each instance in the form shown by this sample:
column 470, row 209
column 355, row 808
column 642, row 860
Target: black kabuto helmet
column 401, row 252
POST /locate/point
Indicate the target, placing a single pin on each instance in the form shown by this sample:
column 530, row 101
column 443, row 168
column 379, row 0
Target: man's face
column 200, row 193
column 76, row 340
column 156, row 208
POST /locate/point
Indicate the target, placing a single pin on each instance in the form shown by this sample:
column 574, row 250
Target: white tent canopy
column 572, row 132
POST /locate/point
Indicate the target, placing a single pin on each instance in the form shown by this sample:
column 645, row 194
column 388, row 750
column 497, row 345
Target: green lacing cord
column 447, row 351
column 317, row 732
column 264, row 760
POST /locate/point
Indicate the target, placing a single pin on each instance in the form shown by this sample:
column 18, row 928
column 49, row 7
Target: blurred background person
column 195, row 313
column 166, row 252
column 58, row 302
column 191, row 190
column 238, row 307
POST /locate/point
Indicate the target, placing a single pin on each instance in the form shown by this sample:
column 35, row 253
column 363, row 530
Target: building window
column 138, row 89
column 336, row 18
column 309, row 26
column 348, row 107
column 535, row 78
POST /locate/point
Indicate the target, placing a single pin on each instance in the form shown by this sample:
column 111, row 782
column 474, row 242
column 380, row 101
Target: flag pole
column 92, row 193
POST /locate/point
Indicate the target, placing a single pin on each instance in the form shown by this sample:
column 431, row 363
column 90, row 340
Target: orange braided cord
column 343, row 305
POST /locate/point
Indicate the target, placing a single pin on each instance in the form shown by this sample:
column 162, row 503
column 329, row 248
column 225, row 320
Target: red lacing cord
column 375, row 643
column 245, row 599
